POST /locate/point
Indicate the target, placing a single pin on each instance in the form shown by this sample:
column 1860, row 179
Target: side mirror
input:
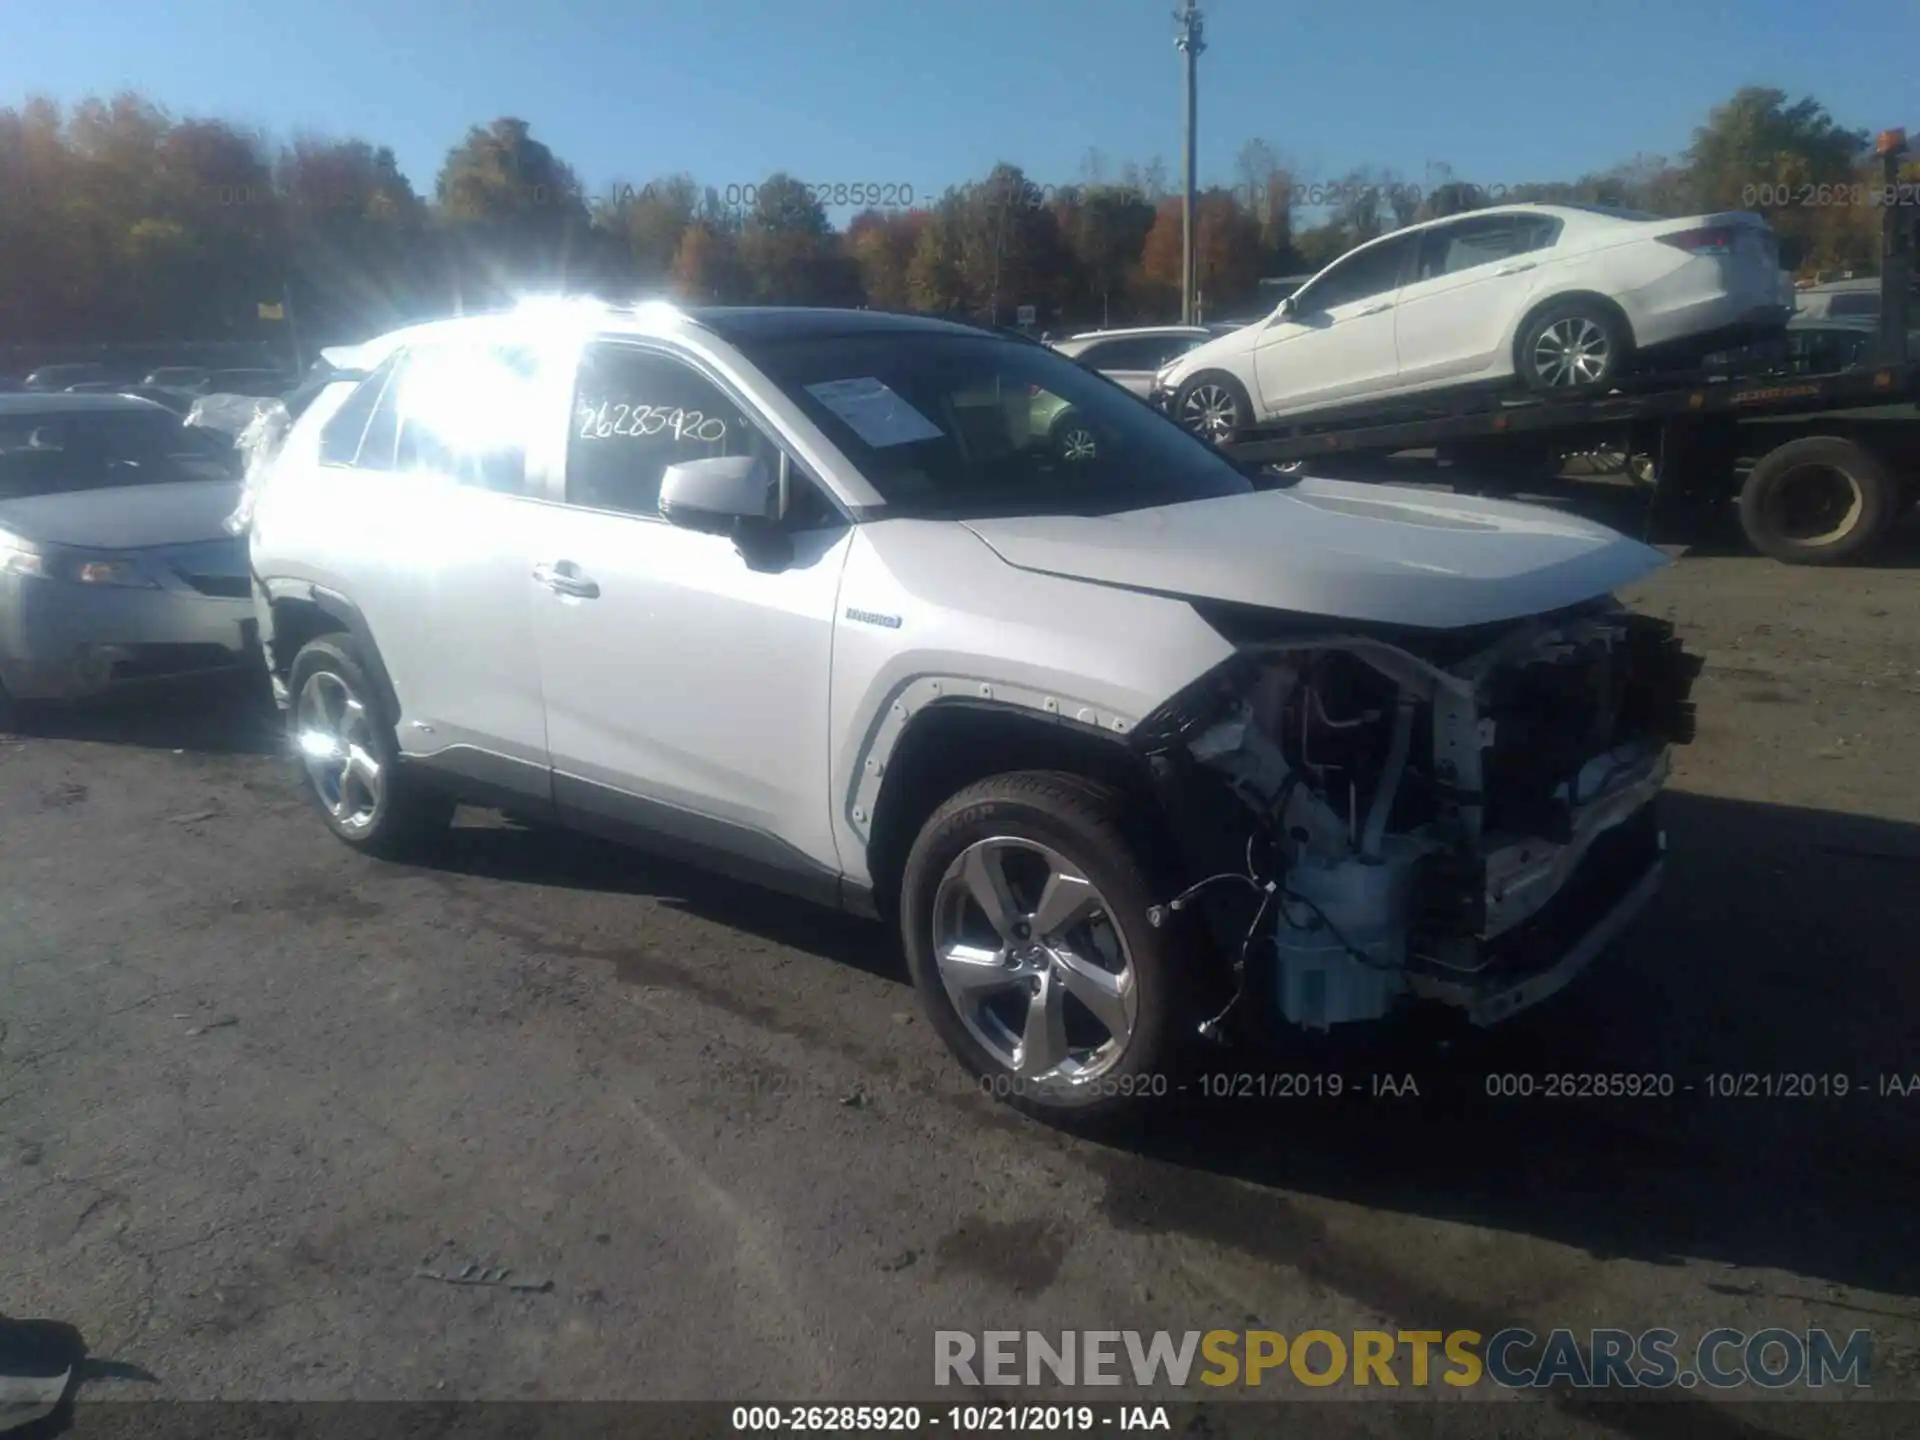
column 1285, row 310
column 713, row 495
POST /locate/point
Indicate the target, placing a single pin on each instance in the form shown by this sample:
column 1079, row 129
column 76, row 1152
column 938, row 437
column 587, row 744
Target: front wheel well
column 951, row 745
column 296, row 621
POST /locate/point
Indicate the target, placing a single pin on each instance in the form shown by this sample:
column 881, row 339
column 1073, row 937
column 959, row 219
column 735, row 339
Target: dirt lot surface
column 251, row 1085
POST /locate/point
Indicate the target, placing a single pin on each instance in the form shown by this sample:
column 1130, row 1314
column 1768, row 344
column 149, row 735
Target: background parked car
column 59, row 377
column 263, row 383
column 178, row 401
column 180, row 377
column 1559, row 297
column 227, row 414
column 114, row 565
column 1839, row 300
column 1130, row 357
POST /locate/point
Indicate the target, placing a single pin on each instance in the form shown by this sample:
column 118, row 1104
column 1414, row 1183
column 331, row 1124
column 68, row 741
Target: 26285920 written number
column 598, row 422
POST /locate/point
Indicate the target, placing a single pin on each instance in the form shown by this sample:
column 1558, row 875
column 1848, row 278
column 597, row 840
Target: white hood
column 1375, row 553
column 124, row 517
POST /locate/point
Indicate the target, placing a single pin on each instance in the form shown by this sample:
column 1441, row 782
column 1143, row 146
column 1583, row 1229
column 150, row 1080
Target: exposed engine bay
column 1458, row 817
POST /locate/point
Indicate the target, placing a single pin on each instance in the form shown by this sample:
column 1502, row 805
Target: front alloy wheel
column 1024, row 911
column 343, row 741
column 1211, row 411
column 1032, row 962
column 335, row 739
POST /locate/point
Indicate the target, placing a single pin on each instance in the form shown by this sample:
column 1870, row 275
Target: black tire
column 1192, row 396
column 407, row 814
column 1591, row 338
column 1071, row 439
column 1817, row 501
column 1085, row 823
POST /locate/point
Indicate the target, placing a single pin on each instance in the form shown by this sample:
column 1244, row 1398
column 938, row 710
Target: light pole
column 1189, row 42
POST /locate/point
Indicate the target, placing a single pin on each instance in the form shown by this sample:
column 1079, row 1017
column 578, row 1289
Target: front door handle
column 563, row 577
column 1376, row 309
column 1515, row 268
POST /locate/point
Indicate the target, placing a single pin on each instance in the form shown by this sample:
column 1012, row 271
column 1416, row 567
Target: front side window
column 637, row 411
column 954, row 425
column 1360, row 276
column 1859, row 302
column 463, row 411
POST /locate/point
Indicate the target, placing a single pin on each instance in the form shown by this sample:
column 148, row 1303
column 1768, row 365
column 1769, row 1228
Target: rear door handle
column 1516, row 267
column 563, row 578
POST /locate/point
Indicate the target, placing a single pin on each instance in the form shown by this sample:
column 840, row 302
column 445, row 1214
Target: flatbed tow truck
column 1822, row 463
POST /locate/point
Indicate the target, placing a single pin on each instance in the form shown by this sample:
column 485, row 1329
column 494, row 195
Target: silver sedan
column 115, row 563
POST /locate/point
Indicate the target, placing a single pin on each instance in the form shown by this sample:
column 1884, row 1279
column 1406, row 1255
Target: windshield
column 53, row 453
column 963, row 427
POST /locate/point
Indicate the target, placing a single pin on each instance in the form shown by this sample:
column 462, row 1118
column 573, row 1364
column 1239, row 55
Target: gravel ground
column 252, row 1084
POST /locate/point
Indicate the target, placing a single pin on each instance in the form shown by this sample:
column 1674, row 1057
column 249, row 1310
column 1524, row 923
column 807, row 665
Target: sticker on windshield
column 877, row 415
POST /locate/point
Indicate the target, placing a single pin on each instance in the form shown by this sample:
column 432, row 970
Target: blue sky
column 923, row 93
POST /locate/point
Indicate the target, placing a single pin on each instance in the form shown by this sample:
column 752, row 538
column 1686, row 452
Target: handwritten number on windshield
column 641, row 421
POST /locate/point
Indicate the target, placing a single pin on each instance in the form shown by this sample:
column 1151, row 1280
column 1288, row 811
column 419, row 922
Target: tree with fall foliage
column 120, row 221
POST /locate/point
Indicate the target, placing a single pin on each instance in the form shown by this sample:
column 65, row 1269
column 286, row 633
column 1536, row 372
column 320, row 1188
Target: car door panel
column 425, row 556
column 1473, row 279
column 1337, row 341
column 687, row 693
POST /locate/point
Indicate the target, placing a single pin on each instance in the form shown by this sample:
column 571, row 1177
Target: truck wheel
column 349, row 758
column 1213, row 405
column 1024, row 914
column 1817, row 501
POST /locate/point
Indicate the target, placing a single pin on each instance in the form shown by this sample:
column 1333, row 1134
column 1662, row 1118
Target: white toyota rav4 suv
column 1122, row 743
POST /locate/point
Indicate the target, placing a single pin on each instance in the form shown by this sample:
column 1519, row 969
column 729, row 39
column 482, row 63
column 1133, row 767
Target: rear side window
column 340, row 440
column 1536, row 232
column 383, row 426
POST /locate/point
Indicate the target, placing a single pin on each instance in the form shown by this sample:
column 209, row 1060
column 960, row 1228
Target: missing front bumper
column 1619, row 874
column 1492, row 1000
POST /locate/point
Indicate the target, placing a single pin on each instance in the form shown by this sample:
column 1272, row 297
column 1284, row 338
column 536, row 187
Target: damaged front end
column 1465, row 818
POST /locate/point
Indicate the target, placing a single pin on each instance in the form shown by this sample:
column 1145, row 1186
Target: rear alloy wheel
column 1816, row 501
column 1213, row 406
column 1025, row 921
column 1576, row 345
column 346, row 750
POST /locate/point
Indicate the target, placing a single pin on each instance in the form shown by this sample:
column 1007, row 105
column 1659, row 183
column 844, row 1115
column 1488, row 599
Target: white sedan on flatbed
column 1561, row 298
